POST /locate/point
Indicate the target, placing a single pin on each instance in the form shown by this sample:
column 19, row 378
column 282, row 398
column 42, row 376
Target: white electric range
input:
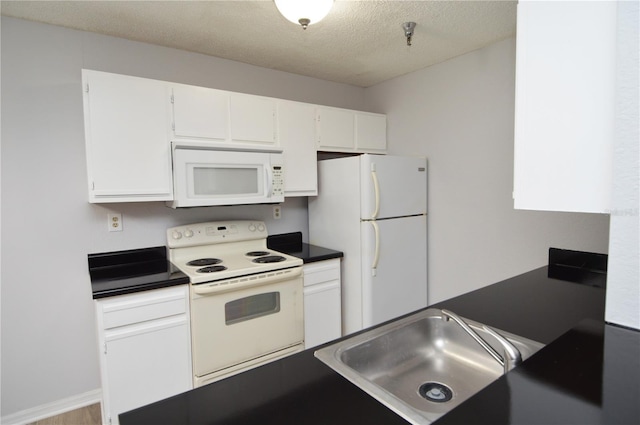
column 246, row 299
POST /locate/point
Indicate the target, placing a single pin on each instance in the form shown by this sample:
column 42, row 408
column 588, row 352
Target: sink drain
column 436, row 392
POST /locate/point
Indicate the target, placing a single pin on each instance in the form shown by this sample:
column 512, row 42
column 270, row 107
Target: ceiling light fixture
column 304, row 12
column 408, row 31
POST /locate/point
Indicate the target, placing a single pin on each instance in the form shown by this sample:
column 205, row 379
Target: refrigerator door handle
column 376, row 190
column 376, row 254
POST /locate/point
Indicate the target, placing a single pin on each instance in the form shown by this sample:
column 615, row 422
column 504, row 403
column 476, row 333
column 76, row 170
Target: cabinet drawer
column 323, row 271
column 136, row 308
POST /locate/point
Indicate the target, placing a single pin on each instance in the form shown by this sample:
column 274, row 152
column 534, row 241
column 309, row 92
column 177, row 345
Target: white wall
column 459, row 114
column 49, row 349
column 623, row 279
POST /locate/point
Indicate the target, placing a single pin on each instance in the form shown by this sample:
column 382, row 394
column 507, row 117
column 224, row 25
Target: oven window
column 251, row 307
column 225, row 181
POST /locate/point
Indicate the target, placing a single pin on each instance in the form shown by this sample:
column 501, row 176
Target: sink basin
column 421, row 366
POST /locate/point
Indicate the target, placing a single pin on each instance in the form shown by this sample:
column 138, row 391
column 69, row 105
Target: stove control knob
column 176, row 235
column 188, row 233
column 252, row 227
column 261, row 227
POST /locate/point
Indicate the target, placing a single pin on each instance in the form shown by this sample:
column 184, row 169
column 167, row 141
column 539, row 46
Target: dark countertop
column 590, row 375
column 291, row 243
column 312, row 253
column 531, row 304
column 126, row 272
column 589, row 372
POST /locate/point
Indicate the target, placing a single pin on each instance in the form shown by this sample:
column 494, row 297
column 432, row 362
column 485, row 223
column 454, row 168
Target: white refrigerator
column 374, row 209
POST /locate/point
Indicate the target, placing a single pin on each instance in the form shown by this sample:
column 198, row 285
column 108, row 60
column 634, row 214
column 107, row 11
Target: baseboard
column 52, row 409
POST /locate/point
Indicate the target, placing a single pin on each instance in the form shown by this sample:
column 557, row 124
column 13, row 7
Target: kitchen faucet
column 512, row 356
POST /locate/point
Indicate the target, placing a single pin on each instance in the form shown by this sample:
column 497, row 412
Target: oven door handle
column 243, row 282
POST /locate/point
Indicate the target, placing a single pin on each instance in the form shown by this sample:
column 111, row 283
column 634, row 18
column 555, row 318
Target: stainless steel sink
column 422, row 366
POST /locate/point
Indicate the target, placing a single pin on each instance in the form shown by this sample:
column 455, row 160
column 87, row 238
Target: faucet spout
column 512, row 356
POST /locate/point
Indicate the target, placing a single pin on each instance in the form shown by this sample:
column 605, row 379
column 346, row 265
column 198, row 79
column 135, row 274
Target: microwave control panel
column 278, row 180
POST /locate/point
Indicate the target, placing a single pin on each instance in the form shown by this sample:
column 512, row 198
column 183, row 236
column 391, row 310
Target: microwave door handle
column 269, row 183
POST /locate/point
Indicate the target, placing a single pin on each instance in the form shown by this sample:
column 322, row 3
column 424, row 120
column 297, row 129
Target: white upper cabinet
column 200, row 112
column 130, row 123
column 345, row 130
column 336, row 129
column 222, row 117
column 253, row 118
column 126, row 136
column 371, row 132
column 564, row 120
column 296, row 135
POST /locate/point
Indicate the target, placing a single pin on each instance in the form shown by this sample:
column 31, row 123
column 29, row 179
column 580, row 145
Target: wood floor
column 89, row 415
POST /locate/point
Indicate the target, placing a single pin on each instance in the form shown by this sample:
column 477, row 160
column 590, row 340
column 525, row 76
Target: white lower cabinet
column 322, row 302
column 145, row 348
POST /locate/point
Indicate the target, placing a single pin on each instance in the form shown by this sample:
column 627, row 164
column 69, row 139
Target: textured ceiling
column 359, row 42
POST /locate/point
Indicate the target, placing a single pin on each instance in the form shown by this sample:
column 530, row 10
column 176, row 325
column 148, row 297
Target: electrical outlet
column 277, row 212
column 114, row 221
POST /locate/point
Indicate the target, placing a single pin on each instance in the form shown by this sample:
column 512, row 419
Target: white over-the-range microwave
column 209, row 175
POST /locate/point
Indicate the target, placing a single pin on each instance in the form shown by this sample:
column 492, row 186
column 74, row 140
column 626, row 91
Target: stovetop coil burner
column 269, row 259
column 224, row 254
column 211, row 269
column 256, row 253
column 201, row 262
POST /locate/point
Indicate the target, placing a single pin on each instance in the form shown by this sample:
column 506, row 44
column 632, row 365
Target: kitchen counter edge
column 301, row 389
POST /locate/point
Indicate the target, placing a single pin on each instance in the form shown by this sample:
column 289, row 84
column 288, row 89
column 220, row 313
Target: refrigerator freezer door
column 398, row 284
column 392, row 186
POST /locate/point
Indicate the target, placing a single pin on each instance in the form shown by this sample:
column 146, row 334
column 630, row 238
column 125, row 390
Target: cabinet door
column 200, row 112
column 146, row 363
column 564, row 119
column 322, row 302
column 145, row 348
column 253, row 118
column 336, row 129
column 322, row 314
column 126, row 131
column 371, row 132
column 296, row 131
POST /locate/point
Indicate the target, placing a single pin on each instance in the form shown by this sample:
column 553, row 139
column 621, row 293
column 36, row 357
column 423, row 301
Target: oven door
column 236, row 327
column 205, row 177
